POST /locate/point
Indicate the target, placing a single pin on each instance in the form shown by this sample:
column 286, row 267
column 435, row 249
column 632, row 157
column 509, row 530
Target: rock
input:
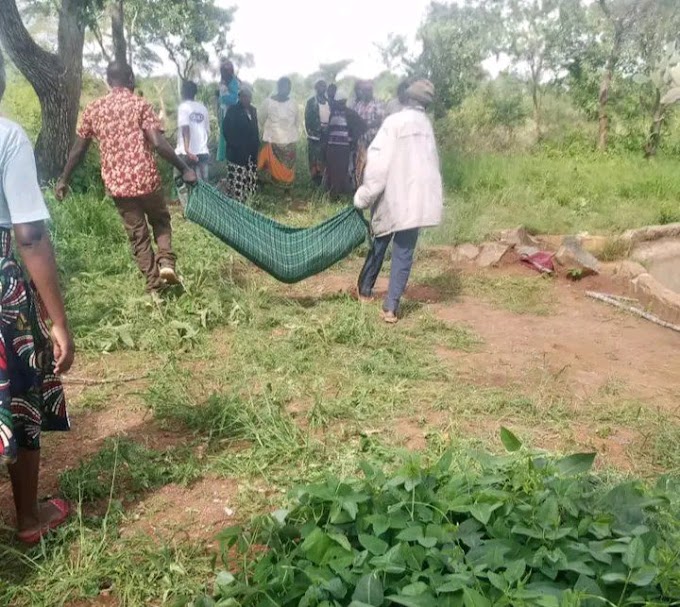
column 465, row 253
column 656, row 298
column 665, row 249
column 527, row 251
column 573, row 256
column 628, row 270
column 492, row 253
column 593, row 244
column 550, row 242
column 518, row 237
column 671, row 230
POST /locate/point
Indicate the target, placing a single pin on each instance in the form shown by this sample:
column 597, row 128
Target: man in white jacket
column 403, row 189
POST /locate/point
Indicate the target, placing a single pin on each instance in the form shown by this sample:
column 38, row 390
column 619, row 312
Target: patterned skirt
column 241, row 182
column 279, row 161
column 31, row 395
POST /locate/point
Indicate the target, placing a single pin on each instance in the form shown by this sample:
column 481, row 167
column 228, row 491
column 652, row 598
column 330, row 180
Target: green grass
column 124, row 467
column 555, row 195
column 270, row 391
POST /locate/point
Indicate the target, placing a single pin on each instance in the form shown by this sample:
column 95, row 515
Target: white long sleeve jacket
column 402, row 183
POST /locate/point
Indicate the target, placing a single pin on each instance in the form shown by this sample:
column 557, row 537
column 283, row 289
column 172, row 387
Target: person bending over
column 403, row 189
column 127, row 129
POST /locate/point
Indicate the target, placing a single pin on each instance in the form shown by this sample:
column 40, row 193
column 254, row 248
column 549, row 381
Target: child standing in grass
column 403, row 189
column 128, row 129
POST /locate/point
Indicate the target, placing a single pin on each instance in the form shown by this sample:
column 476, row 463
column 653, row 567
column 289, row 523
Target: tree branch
column 97, row 33
column 34, row 62
column 173, row 58
column 118, row 32
column 605, row 9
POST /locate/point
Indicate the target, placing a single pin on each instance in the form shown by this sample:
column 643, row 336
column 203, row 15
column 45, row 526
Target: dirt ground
column 582, row 346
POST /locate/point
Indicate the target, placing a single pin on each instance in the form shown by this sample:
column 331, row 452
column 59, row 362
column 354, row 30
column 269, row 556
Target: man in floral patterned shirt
column 127, row 130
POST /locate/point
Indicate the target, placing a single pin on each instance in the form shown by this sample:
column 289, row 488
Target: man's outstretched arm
column 166, row 152
column 76, row 156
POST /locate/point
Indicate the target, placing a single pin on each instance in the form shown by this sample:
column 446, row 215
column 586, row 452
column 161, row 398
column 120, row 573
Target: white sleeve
column 263, row 114
column 24, row 199
column 183, row 115
column 297, row 117
column 377, row 168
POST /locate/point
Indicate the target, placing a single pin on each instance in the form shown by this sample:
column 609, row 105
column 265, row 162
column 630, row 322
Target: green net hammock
column 288, row 254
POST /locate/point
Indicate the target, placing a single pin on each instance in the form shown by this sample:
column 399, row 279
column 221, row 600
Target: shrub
column 522, row 529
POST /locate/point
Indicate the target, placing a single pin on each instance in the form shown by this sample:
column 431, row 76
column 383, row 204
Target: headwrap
column 421, row 91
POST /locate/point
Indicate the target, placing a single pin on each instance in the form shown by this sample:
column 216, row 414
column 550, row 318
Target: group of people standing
column 338, row 133
column 392, row 161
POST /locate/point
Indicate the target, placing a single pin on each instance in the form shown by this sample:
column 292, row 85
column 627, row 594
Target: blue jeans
column 402, row 260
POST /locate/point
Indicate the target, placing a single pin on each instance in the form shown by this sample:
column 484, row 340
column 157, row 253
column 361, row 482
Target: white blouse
column 281, row 121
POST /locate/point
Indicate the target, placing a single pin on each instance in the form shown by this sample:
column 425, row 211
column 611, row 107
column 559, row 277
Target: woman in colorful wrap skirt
column 280, row 119
column 31, row 395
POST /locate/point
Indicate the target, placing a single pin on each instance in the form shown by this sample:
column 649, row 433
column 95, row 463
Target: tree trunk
column 652, row 143
column 538, row 118
column 118, row 33
column 605, row 87
column 56, row 79
column 536, row 77
column 603, row 103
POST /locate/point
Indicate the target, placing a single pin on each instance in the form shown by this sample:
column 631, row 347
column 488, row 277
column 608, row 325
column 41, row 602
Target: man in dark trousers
column 317, row 117
column 128, row 130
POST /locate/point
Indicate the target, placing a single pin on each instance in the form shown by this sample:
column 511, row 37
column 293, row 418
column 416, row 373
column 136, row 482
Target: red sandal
column 33, row 537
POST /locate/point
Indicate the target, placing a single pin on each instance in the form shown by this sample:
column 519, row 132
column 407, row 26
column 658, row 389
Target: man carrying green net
column 403, row 189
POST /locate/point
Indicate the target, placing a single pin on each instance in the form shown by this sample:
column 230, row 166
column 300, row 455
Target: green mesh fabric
column 288, row 254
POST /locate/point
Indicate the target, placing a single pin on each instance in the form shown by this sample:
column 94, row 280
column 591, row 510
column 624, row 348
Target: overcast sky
column 297, row 35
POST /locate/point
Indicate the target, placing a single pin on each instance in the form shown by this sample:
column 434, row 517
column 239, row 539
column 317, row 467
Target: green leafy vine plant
column 515, row 530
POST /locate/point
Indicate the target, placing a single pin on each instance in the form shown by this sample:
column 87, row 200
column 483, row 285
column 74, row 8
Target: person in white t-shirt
column 193, row 124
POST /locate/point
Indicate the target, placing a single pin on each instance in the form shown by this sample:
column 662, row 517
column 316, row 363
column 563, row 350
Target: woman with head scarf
column 403, row 190
column 227, row 96
column 31, row 355
column 345, row 128
column 243, row 144
column 280, row 118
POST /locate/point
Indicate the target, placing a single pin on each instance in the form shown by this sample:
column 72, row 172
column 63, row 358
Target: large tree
column 188, row 30
column 55, row 76
column 658, row 51
column 537, row 34
column 456, row 40
column 621, row 20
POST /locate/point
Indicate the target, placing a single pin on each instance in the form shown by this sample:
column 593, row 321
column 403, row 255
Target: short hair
column 285, row 81
column 403, row 86
column 189, row 89
column 118, row 72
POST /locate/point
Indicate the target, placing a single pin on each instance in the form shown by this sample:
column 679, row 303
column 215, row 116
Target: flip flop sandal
column 33, row 537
